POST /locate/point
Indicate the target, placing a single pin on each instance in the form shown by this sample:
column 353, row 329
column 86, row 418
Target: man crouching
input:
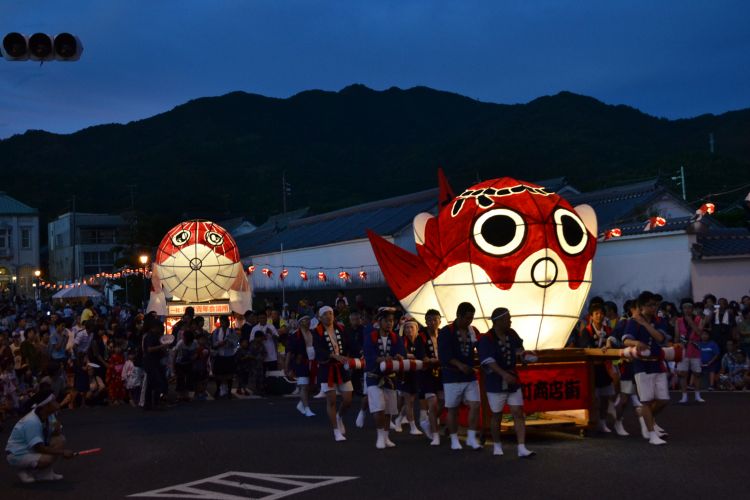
column 36, row 442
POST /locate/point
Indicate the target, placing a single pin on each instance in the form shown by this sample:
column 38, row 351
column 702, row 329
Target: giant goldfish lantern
column 198, row 261
column 500, row 243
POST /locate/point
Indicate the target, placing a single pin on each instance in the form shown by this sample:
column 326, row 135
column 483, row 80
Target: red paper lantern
column 612, row 233
column 655, row 222
column 362, row 275
column 345, row 276
column 322, row 276
column 250, row 269
column 303, row 275
column 267, row 272
column 283, row 274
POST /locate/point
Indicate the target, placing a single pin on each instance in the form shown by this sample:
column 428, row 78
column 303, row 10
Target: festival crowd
column 100, row 355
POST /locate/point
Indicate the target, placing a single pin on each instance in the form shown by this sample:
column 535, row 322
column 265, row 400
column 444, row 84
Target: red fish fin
column 404, row 271
column 446, row 192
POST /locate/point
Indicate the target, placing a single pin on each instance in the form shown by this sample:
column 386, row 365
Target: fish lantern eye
column 214, row 238
column 181, row 237
column 499, row 232
column 571, row 233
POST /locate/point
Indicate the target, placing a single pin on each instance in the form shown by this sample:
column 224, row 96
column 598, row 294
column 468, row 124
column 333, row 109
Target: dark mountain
column 225, row 154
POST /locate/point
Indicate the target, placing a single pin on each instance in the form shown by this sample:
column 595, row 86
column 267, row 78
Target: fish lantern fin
column 588, row 216
column 419, row 224
column 404, row 271
column 157, row 301
column 240, row 295
column 446, row 192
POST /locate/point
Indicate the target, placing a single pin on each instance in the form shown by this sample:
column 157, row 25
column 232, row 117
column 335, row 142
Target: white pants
column 497, row 400
column 689, row 365
column 457, row 392
column 380, row 399
column 345, row 387
column 652, row 386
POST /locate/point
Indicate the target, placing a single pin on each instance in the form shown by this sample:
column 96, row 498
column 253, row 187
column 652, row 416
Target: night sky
column 675, row 58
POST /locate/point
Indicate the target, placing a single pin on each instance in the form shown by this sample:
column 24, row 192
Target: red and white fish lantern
column 198, row 261
column 500, row 243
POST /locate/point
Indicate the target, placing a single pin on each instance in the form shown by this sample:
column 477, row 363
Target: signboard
column 555, row 386
column 179, row 310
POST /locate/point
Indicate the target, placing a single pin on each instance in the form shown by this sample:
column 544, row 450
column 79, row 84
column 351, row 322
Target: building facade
column 19, row 246
column 82, row 244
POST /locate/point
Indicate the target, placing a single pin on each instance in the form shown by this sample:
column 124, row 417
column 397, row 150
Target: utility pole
column 681, row 181
column 285, row 190
column 73, row 239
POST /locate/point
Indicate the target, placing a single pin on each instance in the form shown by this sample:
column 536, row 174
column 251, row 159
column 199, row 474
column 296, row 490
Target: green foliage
column 212, row 157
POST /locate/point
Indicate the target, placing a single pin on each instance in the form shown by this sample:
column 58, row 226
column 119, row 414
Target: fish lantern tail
column 157, row 302
column 240, row 294
column 404, row 271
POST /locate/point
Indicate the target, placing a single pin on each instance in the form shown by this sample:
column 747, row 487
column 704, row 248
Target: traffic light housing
column 41, row 47
column 15, row 47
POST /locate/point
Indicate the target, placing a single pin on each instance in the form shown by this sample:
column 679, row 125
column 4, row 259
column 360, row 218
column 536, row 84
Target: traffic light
column 15, row 47
column 41, row 47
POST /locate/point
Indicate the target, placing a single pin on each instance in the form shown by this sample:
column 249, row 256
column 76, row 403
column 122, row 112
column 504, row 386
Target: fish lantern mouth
column 196, row 264
column 544, row 272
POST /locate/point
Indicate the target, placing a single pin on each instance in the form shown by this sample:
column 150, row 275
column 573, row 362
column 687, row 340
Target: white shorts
column 689, row 365
column 652, row 386
column 603, row 392
column 25, row 461
column 380, row 399
column 303, row 380
column 458, row 392
column 345, row 387
column 627, row 387
column 497, row 400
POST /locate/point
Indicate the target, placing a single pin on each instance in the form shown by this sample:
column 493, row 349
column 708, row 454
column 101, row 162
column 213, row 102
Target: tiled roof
column 11, row 206
column 724, row 243
column 277, row 221
column 385, row 217
column 616, row 205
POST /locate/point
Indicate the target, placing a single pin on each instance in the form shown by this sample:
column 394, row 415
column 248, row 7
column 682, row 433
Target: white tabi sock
column 455, row 443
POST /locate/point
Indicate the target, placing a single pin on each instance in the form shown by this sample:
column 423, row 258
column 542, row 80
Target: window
column 4, row 239
column 97, row 262
column 96, row 236
column 59, row 240
column 26, row 238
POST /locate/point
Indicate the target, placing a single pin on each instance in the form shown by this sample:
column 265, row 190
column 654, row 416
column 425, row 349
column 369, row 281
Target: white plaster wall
column 728, row 277
column 625, row 267
column 350, row 256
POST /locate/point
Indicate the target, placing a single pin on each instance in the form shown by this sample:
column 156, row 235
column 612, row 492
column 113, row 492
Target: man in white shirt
column 35, row 443
column 271, row 362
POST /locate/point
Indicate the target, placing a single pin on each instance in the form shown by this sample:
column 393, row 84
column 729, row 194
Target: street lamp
column 37, row 273
column 144, row 262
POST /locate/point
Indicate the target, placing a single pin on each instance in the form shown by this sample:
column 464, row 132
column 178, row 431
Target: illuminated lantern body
column 500, row 243
column 198, row 261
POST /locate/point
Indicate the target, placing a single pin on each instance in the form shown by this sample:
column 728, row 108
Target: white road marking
column 246, row 489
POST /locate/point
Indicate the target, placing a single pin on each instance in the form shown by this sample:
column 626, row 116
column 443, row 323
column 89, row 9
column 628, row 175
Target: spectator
column 710, row 365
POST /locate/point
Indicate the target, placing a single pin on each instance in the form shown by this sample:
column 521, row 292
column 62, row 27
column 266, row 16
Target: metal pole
column 283, row 191
column 283, row 289
column 682, row 179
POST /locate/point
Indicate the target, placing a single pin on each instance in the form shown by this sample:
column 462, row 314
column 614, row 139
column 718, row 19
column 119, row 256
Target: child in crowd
column 133, row 377
column 200, row 367
column 709, row 359
column 244, row 361
column 257, row 355
column 115, row 384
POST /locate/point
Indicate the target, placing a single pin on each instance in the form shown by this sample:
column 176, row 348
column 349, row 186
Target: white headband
column 47, row 401
column 324, row 310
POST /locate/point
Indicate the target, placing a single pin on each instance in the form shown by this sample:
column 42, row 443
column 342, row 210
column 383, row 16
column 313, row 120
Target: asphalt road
column 707, row 456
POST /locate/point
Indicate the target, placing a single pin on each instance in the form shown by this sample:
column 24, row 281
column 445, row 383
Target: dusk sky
column 675, row 59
